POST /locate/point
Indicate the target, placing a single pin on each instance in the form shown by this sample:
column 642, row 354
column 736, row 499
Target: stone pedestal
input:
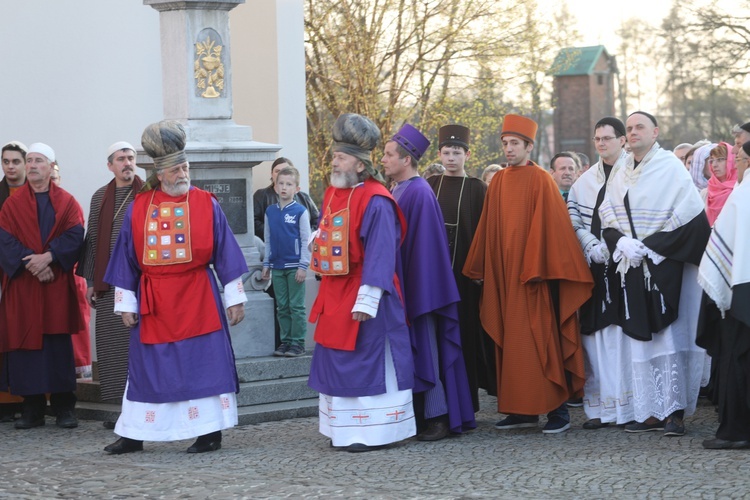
column 197, row 88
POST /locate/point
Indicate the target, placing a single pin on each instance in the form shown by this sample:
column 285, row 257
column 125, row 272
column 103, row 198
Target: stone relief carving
column 209, row 70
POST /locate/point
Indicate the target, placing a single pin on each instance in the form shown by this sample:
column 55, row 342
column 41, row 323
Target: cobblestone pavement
column 290, row 459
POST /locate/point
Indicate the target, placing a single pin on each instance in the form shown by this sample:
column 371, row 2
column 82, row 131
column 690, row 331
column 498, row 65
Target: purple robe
column 361, row 372
column 51, row 369
column 193, row 368
column 430, row 289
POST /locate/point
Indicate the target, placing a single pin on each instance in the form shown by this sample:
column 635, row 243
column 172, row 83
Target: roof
column 575, row 61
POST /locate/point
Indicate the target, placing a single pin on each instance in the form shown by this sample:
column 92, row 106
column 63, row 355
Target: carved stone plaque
column 232, row 196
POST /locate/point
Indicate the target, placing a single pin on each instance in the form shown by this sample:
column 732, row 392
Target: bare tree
column 396, row 60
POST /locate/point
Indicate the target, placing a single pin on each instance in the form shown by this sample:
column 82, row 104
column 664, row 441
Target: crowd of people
column 617, row 285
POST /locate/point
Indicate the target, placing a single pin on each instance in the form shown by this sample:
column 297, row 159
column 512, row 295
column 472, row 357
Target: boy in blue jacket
column 286, row 232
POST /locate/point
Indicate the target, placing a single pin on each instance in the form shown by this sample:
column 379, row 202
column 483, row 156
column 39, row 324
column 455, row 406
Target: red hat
column 520, row 126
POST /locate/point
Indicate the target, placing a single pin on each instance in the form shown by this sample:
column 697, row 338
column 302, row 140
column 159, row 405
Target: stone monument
column 197, row 88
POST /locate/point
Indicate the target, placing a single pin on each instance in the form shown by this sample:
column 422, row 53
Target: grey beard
column 176, row 189
column 344, row 180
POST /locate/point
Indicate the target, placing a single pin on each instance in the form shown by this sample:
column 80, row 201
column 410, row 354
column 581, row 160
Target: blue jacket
column 286, row 231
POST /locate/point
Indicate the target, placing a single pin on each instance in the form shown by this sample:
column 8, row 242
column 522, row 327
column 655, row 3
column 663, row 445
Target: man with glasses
column 606, row 398
column 656, row 229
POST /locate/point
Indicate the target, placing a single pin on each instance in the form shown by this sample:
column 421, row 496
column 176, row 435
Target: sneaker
column 644, row 427
column 294, row 351
column 555, row 425
column 282, row 349
column 517, row 422
column 674, row 427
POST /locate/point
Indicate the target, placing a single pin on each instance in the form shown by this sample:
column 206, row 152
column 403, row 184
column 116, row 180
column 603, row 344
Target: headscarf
column 719, row 191
column 696, row 168
column 164, row 142
column 357, row 135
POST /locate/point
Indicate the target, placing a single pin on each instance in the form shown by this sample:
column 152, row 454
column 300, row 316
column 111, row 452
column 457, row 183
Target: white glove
column 632, row 249
column 598, row 253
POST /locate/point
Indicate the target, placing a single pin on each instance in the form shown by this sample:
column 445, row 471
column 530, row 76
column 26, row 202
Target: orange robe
column 524, row 241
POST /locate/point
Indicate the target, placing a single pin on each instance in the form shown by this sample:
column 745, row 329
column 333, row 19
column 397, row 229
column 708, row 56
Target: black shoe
column 594, row 423
column 518, row 422
column 644, row 427
column 205, row 443
column 437, row 429
column 66, row 419
column 28, row 421
column 362, row 448
column 674, row 426
column 124, row 445
column 7, row 418
column 108, row 424
column 723, row 444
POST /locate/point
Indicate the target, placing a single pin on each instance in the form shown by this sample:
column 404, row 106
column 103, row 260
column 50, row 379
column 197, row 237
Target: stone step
column 272, row 368
column 274, row 391
column 251, row 393
column 271, row 412
column 88, row 391
column 267, row 368
column 247, row 415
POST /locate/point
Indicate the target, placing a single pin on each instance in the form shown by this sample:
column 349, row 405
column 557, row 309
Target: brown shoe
column 437, row 429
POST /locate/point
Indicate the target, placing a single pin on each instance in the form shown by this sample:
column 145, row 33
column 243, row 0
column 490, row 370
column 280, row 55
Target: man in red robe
column 41, row 234
column 535, row 279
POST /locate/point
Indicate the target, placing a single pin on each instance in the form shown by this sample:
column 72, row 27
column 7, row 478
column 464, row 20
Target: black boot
column 62, row 404
column 33, row 412
column 437, row 429
column 206, row 442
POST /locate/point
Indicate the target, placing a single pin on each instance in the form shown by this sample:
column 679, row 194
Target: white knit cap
column 119, row 146
column 41, row 148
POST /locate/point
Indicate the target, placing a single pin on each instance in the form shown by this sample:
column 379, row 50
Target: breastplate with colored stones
column 330, row 251
column 167, row 234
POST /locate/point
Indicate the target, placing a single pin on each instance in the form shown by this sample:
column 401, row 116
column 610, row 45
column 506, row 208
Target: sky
column 597, row 20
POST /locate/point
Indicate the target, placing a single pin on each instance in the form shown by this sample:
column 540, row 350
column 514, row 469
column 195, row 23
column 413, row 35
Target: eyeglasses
column 739, row 158
column 716, row 160
column 604, row 139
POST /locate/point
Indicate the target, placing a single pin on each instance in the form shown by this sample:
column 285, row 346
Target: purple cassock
column 430, row 290
column 193, row 368
column 361, row 372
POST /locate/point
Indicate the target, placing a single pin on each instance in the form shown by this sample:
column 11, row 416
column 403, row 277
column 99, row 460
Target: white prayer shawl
column 661, row 196
column 726, row 261
column 696, row 167
column 582, row 201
